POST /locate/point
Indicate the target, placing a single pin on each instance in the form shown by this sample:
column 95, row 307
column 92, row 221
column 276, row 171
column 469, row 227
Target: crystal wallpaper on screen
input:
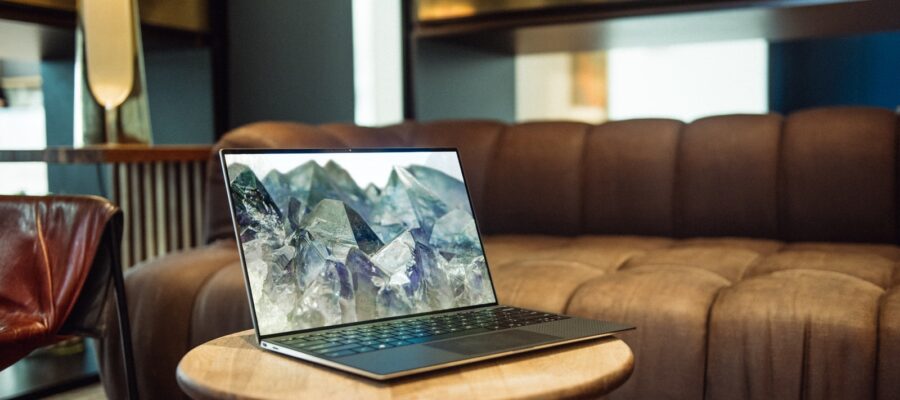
column 338, row 238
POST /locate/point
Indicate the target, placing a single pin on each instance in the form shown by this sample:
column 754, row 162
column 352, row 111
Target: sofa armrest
column 161, row 301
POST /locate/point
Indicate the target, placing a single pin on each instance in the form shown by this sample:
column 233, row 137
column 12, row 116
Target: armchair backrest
column 48, row 248
column 826, row 174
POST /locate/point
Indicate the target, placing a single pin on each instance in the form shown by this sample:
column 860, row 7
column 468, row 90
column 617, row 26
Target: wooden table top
column 234, row 367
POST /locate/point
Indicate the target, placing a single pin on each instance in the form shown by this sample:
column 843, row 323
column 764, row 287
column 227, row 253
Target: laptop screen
column 331, row 238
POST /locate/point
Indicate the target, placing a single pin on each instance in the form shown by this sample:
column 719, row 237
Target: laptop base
column 412, row 359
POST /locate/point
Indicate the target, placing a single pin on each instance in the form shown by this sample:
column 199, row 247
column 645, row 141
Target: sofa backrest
column 827, row 174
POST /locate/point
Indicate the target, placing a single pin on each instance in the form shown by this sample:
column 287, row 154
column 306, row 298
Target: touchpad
column 492, row 342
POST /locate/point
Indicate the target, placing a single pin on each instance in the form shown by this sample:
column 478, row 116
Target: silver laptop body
column 370, row 261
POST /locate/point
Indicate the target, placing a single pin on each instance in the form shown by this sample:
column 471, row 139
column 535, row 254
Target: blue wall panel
column 853, row 70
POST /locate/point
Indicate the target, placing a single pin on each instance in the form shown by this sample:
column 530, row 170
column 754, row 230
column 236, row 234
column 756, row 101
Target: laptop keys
column 339, row 353
column 403, row 333
column 320, row 347
column 337, row 347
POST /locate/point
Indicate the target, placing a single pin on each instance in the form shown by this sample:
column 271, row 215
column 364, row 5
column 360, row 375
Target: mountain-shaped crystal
column 404, row 204
column 393, row 213
column 255, row 211
column 236, row 169
column 455, row 232
column 348, row 188
column 425, row 204
column 366, row 239
column 310, row 183
column 339, row 228
column 367, row 281
column 439, row 293
column 295, row 212
column 449, row 189
column 372, row 193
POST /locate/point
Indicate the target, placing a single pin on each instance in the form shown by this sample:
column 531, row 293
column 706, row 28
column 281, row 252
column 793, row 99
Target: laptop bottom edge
column 419, row 358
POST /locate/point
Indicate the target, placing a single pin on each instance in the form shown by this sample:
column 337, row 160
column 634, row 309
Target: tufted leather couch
column 756, row 254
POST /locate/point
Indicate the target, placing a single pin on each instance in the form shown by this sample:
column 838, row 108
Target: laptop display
column 331, row 238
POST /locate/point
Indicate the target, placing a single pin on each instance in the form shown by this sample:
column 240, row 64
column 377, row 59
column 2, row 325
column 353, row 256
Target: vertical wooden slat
column 185, row 204
column 197, row 212
column 172, row 202
column 121, row 177
column 163, row 203
column 147, row 209
column 159, row 182
column 134, row 184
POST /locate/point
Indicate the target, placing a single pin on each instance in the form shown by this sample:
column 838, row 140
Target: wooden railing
column 160, row 189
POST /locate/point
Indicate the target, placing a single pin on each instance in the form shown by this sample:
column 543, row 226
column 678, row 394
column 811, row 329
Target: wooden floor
column 92, row 392
column 46, row 373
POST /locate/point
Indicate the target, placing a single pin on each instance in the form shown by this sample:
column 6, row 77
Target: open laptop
column 371, row 262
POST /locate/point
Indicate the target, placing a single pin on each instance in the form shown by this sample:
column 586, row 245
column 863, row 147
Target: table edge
column 611, row 382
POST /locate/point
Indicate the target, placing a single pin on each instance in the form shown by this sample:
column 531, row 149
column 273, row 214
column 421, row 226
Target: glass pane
column 683, row 82
column 689, row 81
column 22, row 127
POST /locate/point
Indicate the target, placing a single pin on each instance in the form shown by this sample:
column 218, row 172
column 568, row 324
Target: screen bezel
column 230, row 151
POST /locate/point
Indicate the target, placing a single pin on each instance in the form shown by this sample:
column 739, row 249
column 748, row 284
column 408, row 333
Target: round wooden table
column 234, row 367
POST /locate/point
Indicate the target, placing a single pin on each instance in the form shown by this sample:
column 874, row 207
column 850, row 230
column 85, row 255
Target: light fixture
column 110, row 64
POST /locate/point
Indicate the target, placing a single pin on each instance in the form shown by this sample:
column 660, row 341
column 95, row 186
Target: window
column 683, row 82
column 22, row 127
column 377, row 69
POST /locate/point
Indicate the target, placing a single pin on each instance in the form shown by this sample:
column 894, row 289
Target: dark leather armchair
column 60, row 263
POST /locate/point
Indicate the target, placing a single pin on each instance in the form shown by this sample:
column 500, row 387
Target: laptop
column 370, row 261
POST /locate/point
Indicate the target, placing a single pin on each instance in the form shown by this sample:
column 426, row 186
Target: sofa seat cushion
column 891, row 252
column 869, row 267
column 604, row 253
column 669, row 305
column 889, row 346
column 760, row 246
column 669, row 287
column 502, row 249
column 517, row 282
column 794, row 334
column 729, row 263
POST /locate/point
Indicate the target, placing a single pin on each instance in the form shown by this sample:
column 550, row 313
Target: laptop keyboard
column 385, row 335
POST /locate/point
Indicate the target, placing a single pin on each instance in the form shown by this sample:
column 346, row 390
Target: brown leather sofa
column 756, row 254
